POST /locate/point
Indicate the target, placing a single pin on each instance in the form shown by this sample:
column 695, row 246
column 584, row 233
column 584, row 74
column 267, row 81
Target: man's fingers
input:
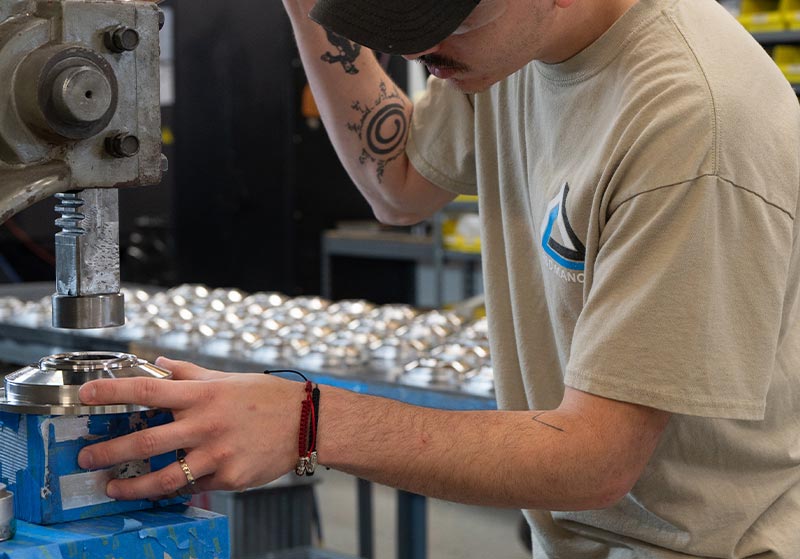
column 166, row 481
column 141, row 444
column 156, row 393
column 183, row 370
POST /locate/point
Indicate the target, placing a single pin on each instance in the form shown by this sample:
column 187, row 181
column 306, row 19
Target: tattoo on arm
column 537, row 420
column 346, row 52
column 382, row 129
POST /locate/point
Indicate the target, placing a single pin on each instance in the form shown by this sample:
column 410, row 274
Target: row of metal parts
column 433, row 348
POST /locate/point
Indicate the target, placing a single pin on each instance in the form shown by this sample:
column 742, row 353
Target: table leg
column 412, row 535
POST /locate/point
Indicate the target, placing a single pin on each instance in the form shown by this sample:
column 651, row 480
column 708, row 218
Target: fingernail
column 87, row 393
column 112, row 491
column 85, row 460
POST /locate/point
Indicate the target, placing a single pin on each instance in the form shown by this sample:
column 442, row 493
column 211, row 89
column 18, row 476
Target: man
column 638, row 166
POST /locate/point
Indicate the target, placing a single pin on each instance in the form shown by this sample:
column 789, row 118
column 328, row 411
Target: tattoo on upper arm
column 537, row 420
column 382, row 128
column 347, row 52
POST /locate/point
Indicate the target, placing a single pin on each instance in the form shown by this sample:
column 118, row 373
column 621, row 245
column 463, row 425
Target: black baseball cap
column 393, row 26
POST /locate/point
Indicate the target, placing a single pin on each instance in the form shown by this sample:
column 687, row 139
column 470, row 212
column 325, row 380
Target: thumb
column 183, row 370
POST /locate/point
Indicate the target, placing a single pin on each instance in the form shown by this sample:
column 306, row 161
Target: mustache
column 442, row 61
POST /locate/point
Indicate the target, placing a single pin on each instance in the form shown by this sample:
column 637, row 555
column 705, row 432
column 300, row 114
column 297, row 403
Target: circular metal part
column 66, row 92
column 121, row 39
column 122, row 145
column 8, row 524
column 81, row 95
column 88, row 311
column 51, row 387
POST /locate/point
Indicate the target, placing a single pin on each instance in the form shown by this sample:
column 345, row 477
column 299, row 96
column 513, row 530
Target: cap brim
column 405, row 27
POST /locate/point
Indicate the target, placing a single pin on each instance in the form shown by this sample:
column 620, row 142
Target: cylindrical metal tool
column 87, row 260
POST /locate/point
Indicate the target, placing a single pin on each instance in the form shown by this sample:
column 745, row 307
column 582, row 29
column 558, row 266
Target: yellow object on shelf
column 462, row 244
column 466, row 198
column 790, row 10
column 762, row 16
column 787, row 57
column 462, row 234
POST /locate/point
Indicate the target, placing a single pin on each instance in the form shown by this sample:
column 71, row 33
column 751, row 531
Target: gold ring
column 187, row 472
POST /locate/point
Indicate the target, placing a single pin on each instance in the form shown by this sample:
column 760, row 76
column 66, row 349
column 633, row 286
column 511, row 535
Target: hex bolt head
column 121, row 39
column 81, row 95
column 122, row 145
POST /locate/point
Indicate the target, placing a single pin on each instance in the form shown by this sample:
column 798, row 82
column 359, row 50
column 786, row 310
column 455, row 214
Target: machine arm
column 80, row 115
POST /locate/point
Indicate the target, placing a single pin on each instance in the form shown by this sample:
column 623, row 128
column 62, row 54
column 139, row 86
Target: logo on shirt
column 560, row 242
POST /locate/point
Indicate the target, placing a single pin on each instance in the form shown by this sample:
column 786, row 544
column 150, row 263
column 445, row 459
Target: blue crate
column 178, row 532
column 39, row 463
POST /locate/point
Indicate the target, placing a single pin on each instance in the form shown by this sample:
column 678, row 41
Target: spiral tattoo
column 383, row 129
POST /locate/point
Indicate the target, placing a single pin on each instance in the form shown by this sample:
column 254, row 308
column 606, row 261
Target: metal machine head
column 79, row 87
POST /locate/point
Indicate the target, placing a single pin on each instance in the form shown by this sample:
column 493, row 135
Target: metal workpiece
column 438, row 349
column 51, row 386
column 75, row 76
column 8, row 523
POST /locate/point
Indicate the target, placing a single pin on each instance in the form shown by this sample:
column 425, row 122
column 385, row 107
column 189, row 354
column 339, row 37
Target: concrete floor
column 454, row 531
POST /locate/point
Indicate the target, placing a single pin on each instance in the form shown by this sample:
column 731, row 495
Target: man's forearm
column 555, row 460
column 367, row 117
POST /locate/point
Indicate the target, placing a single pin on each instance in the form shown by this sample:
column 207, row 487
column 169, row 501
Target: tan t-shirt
column 638, row 205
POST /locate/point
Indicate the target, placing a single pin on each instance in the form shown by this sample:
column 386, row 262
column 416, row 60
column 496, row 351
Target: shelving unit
column 442, row 255
column 779, row 37
column 422, row 249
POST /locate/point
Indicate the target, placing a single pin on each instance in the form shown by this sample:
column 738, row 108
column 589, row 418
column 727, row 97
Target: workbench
column 23, row 345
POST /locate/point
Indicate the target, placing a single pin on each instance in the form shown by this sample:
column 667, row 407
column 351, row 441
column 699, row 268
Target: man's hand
column 238, row 430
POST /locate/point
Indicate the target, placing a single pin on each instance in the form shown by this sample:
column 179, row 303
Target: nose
column 416, row 55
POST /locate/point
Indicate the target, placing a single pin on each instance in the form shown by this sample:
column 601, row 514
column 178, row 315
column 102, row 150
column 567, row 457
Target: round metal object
column 89, row 311
column 8, row 524
column 121, row 39
column 50, row 83
column 122, row 145
column 51, row 387
column 81, row 95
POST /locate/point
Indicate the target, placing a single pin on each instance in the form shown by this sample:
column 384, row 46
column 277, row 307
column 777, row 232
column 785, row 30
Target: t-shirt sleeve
column 441, row 141
column 684, row 301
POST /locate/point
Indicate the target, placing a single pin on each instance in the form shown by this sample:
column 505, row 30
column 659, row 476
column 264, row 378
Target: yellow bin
column 787, row 57
column 790, row 10
column 762, row 16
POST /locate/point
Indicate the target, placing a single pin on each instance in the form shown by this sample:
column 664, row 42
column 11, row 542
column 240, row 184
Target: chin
column 470, row 85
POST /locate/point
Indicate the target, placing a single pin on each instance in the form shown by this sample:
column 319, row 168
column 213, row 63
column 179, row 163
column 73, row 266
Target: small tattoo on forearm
column 347, row 52
column 382, row 129
column 537, row 420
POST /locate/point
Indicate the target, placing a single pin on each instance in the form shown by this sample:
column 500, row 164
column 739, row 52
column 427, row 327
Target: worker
column 637, row 166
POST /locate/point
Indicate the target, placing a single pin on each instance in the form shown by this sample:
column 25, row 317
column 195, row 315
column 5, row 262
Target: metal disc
column 51, row 387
